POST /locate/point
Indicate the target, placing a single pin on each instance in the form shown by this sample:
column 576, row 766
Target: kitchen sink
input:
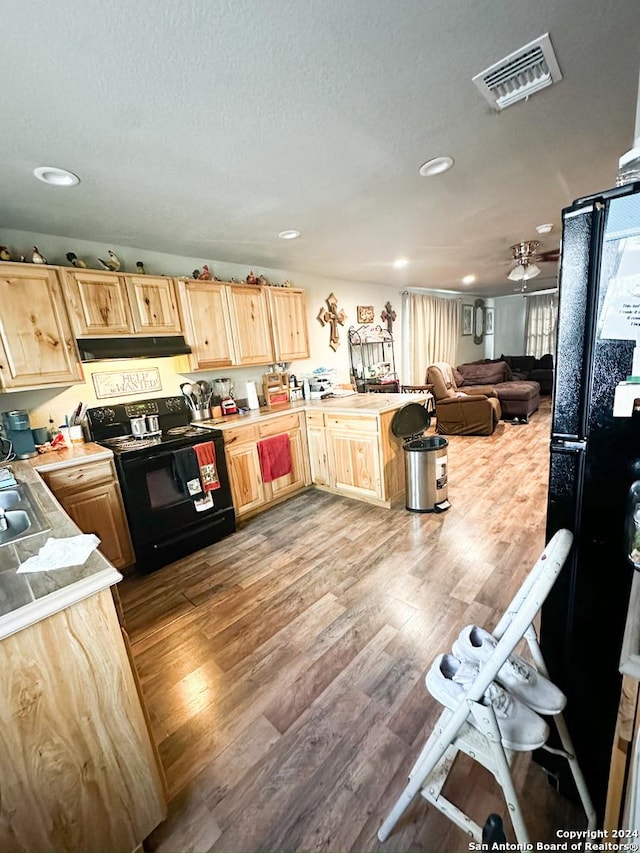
column 20, row 515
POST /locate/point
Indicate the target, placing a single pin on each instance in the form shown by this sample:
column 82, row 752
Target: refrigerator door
column 595, row 458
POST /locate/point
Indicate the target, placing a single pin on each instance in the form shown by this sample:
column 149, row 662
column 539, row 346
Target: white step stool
column 453, row 733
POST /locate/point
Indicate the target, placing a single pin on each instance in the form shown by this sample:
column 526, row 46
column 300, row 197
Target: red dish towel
column 206, row 456
column 275, row 457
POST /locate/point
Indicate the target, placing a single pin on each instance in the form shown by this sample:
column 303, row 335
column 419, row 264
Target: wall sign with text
column 125, row 382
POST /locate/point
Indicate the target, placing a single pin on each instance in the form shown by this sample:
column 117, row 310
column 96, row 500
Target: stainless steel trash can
column 425, row 460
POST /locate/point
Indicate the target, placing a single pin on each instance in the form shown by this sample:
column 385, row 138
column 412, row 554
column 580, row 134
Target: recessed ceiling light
column 289, row 235
column 468, row 279
column 544, row 229
column 56, row 177
column 436, row 166
column 400, row 263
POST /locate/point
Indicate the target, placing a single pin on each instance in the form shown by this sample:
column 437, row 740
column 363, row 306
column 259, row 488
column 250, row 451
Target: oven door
column 158, row 510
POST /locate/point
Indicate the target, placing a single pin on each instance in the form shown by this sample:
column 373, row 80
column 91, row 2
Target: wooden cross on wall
column 388, row 315
column 332, row 316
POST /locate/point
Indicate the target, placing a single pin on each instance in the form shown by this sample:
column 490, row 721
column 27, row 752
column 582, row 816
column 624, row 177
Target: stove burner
column 128, row 442
column 186, row 430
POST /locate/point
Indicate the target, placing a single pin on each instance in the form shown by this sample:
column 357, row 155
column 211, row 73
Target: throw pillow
column 459, row 378
column 483, row 374
column 545, row 362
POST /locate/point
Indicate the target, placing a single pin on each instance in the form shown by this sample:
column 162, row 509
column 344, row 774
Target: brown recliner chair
column 458, row 413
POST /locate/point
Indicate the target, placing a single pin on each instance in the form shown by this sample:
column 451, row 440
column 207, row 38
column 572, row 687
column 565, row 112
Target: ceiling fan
column 525, row 260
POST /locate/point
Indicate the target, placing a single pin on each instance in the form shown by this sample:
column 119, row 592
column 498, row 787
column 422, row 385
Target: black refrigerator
column 594, row 463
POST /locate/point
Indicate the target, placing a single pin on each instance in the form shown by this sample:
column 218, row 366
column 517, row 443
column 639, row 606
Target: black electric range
column 166, row 521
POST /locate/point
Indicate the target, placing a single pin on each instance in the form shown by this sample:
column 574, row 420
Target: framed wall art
column 467, row 319
column 488, row 321
column 366, row 314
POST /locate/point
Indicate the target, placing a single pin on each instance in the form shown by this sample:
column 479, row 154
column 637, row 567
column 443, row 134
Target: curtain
column 541, row 320
column 431, row 333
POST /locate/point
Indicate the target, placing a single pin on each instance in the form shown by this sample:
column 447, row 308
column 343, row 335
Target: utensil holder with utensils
column 201, row 414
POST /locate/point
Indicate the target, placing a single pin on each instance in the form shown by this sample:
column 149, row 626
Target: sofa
column 528, row 367
column 458, row 412
column 519, row 398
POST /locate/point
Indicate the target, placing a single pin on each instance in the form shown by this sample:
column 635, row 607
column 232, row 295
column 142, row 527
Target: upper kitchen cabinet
column 207, row 324
column 288, row 323
column 154, row 305
column 37, row 346
column 104, row 303
column 98, row 303
column 250, row 323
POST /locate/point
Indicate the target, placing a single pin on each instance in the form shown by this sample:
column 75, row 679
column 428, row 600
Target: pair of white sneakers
column 518, row 695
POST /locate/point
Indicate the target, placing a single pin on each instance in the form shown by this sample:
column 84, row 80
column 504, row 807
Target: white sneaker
column 521, row 728
column 520, row 678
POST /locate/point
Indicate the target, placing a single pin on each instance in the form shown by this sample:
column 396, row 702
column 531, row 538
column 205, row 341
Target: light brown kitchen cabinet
column 250, row 493
column 251, row 328
column 353, row 450
column 78, row 766
column 317, row 441
column 355, row 455
column 207, row 324
column 111, row 304
column 98, row 303
column 37, row 346
column 154, row 305
column 90, row 493
column 288, row 323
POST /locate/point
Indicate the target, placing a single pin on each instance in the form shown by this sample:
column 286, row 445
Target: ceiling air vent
column 520, row 74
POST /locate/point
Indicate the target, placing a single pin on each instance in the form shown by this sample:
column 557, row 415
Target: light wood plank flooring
column 284, row 667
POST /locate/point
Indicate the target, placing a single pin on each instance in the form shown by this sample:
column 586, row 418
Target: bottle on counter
column 306, row 389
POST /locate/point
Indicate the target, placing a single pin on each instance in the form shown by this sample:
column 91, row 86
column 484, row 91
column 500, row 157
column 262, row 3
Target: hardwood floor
column 284, row 667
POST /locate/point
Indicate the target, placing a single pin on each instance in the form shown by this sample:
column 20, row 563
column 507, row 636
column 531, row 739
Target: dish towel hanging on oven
column 206, row 456
column 275, row 457
column 187, row 471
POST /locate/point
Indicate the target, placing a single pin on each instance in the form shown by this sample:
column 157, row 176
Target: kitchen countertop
column 28, row 598
column 69, row 457
column 364, row 404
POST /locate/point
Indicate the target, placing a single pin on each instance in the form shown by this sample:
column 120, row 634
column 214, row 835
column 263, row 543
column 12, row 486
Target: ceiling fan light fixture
column 290, row 234
column 523, row 271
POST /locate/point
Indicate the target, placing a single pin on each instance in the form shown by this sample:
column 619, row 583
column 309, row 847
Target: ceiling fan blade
column 552, row 255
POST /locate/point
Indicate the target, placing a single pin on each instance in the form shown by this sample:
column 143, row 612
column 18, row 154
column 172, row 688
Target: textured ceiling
column 204, row 128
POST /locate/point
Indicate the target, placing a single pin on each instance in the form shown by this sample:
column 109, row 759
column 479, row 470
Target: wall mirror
column 478, row 321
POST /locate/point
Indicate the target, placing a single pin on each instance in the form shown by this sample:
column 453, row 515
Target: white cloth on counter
column 61, row 553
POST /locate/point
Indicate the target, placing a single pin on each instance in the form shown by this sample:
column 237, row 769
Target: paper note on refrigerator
column 620, row 318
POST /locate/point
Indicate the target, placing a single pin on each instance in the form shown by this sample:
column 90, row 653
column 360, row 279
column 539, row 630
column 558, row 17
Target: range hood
column 99, row 349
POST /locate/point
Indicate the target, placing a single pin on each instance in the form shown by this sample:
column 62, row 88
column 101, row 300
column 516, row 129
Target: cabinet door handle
column 231, row 440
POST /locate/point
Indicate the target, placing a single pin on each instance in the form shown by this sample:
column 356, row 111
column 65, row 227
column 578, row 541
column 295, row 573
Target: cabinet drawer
column 315, row 419
column 352, row 423
column 278, row 425
column 239, row 434
column 71, row 479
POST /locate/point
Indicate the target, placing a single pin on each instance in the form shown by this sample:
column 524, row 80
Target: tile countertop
column 28, row 598
column 364, row 404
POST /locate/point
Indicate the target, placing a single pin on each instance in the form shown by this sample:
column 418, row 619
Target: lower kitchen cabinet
column 250, row 493
column 353, row 451
column 78, row 766
column 317, row 441
column 354, row 455
column 90, row 494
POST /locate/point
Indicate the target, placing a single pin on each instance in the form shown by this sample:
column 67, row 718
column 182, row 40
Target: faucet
column 3, row 520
